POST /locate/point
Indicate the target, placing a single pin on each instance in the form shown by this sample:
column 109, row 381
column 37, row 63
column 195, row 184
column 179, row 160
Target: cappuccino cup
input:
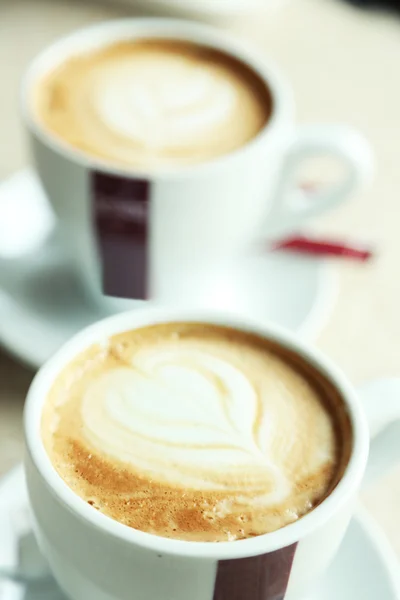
column 131, row 429
column 167, row 150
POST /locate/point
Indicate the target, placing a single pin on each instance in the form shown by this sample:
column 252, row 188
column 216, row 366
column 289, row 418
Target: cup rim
column 261, row 544
column 139, row 27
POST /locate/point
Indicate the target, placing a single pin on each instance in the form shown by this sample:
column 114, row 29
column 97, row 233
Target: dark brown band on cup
column 263, row 577
column 121, row 214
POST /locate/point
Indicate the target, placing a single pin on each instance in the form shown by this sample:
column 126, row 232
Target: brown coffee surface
column 196, row 432
column 153, row 103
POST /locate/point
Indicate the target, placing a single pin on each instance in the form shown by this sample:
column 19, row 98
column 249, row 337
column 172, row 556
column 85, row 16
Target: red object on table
column 321, row 247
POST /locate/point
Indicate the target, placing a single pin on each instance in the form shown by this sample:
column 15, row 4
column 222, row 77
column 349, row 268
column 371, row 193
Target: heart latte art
column 153, row 103
column 193, row 431
column 189, row 419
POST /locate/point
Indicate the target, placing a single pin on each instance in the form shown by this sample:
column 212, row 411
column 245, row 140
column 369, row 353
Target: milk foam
column 167, row 98
column 153, row 102
column 192, row 431
column 189, row 419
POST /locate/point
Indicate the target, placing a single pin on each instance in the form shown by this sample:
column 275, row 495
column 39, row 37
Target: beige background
column 344, row 66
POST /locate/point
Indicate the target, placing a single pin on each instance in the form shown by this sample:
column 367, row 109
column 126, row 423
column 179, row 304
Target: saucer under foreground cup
column 364, row 568
column 41, row 294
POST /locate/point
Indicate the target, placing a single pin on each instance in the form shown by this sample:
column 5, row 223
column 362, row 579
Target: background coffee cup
column 96, row 558
column 180, row 226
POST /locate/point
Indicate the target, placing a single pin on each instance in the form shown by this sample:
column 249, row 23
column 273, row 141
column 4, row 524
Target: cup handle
column 337, row 141
column 381, row 401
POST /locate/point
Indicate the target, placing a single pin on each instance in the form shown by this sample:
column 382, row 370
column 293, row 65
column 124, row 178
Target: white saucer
column 42, row 303
column 365, row 567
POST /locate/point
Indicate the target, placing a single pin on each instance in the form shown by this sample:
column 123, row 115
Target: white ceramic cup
column 157, row 234
column 96, row 558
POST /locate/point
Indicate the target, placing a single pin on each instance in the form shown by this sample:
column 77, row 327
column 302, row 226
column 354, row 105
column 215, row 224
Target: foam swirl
column 166, row 100
column 191, row 419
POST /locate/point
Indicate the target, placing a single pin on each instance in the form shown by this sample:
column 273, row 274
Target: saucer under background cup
column 43, row 303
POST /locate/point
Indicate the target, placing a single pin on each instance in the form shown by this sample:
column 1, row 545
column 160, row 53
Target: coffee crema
column 153, row 103
column 196, row 432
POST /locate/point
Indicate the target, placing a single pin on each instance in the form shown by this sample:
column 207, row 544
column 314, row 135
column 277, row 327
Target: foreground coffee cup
column 95, row 557
column 196, row 431
column 139, row 226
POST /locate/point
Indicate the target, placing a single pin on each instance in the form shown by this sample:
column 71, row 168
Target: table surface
column 343, row 66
